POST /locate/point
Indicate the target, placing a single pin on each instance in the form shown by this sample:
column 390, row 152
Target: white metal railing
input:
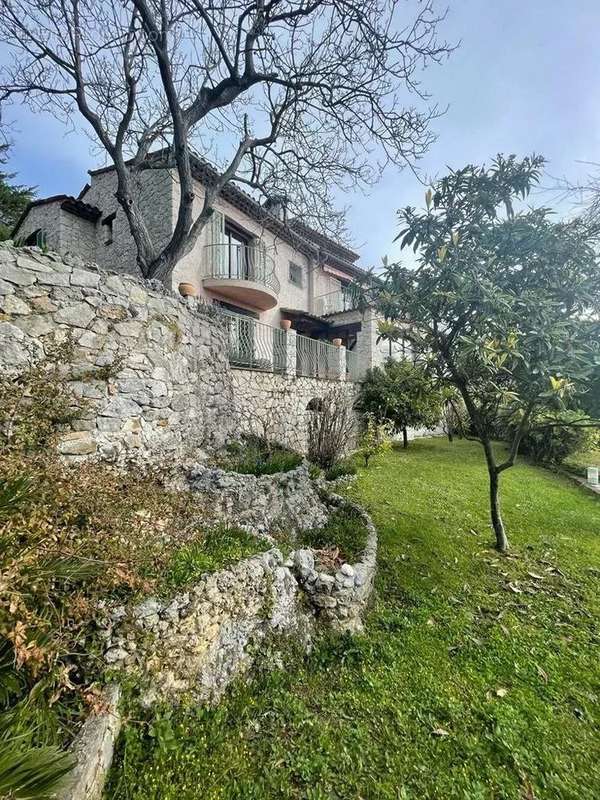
column 316, row 358
column 253, row 344
column 344, row 299
column 241, row 262
column 352, row 366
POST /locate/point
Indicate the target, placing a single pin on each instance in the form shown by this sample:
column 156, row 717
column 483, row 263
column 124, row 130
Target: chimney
column 277, row 206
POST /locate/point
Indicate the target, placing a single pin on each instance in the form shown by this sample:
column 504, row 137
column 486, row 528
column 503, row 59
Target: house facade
column 265, row 272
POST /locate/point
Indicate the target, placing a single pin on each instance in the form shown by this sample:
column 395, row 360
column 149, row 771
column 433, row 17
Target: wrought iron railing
column 241, row 262
column 316, row 358
column 345, row 299
column 352, row 367
column 253, row 344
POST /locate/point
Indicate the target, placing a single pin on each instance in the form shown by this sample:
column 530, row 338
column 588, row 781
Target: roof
column 71, row 205
column 301, row 236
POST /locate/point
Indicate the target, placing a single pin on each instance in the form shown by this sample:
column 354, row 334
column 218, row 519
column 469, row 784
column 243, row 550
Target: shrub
column 255, row 455
column 340, row 469
column 37, row 403
column 555, row 436
column 375, row 439
column 330, row 428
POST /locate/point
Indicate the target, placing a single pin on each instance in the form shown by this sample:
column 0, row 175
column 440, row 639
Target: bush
column 340, row 469
column 255, row 455
column 330, row 427
column 553, row 437
column 375, row 439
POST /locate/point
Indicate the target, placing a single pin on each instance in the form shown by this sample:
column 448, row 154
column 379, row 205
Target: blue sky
column 526, row 78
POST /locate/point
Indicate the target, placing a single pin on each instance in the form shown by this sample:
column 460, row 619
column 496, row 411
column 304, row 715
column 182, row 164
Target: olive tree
column 288, row 97
column 505, row 302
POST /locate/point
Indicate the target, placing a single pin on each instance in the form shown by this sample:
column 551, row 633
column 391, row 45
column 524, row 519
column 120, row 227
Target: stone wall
column 286, row 500
column 277, row 405
column 151, row 367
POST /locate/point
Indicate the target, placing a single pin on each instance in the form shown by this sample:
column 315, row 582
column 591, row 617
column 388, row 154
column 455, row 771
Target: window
column 107, row 224
column 296, row 275
column 237, row 252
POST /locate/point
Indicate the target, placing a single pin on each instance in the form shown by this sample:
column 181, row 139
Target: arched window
column 316, row 404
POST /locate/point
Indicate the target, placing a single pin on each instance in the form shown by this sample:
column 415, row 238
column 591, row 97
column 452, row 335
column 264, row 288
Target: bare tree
column 306, row 94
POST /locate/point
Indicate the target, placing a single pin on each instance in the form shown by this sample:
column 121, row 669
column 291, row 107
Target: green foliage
column 375, row 438
column 340, row 470
column 556, row 436
column 13, row 198
column 28, row 772
column 220, row 547
column 37, row 403
column 255, row 455
column 410, row 709
column 402, row 394
column 506, row 301
column 344, row 531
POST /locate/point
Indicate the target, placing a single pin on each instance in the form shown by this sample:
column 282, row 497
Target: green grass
column 475, row 678
column 220, row 547
column 345, row 530
column 579, row 463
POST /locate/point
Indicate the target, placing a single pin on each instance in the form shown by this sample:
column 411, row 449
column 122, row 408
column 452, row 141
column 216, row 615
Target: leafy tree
column 13, row 198
column 506, row 301
column 403, row 394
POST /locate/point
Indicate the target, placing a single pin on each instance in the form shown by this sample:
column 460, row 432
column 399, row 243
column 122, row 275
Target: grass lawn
column 478, row 675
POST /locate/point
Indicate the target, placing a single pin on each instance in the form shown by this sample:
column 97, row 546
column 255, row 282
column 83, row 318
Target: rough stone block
column 11, row 304
column 78, row 315
column 82, row 277
column 77, row 443
column 13, row 274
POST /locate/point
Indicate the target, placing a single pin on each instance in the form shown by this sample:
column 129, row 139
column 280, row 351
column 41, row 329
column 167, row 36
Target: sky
column 525, row 78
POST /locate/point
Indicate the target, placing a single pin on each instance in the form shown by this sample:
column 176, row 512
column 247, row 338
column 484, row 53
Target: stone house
column 260, row 267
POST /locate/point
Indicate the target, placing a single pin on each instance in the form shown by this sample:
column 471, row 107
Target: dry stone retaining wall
column 151, row 367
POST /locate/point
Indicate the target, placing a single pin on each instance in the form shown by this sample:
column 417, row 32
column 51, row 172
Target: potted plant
column 337, row 342
column 188, row 290
column 286, row 324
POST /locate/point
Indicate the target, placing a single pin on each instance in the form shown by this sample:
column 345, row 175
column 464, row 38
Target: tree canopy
column 402, row 394
column 13, row 197
column 287, row 97
column 505, row 300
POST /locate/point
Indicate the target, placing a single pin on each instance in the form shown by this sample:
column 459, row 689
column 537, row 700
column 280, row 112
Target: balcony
column 241, row 273
column 336, row 302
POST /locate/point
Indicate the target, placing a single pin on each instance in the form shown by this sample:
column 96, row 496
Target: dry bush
column 330, row 430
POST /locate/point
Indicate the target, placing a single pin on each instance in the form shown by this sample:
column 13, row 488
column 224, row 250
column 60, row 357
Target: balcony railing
column 352, row 366
column 316, row 358
column 345, row 299
column 253, row 344
column 239, row 262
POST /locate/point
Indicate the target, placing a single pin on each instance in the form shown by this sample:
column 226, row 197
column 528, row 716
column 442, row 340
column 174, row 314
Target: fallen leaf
column 542, row 673
column 501, row 692
column 440, row 732
column 536, row 576
column 514, row 588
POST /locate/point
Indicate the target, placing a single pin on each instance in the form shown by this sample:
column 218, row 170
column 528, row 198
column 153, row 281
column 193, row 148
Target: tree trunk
column 497, row 524
column 404, row 438
column 450, row 435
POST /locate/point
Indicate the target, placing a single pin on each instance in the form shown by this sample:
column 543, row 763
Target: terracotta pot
column 286, row 324
column 188, row 290
column 337, row 342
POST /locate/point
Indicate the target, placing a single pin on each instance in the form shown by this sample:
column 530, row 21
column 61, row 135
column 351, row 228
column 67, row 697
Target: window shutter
column 217, row 252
